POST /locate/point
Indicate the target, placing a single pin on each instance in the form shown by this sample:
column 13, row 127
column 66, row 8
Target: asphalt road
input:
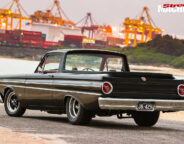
column 104, row 130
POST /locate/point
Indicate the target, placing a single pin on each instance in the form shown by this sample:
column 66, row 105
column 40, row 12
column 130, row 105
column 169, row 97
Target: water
column 179, row 77
column 15, row 66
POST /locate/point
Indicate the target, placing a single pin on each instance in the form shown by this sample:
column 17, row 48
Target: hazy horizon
column 112, row 12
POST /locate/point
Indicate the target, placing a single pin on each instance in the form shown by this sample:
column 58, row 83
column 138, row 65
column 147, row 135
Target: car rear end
column 142, row 92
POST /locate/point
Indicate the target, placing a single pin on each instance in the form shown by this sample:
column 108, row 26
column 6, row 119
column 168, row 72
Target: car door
column 39, row 86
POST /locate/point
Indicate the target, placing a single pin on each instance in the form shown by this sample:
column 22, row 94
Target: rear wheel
column 12, row 105
column 146, row 119
column 76, row 114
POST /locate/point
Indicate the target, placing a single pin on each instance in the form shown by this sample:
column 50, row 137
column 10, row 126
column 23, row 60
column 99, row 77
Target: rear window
column 94, row 62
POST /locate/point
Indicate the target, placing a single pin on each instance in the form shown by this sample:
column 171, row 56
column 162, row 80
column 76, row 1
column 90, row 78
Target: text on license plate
column 143, row 106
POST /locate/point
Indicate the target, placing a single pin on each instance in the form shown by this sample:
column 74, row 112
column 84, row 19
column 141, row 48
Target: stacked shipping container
column 73, row 40
column 48, row 44
column 26, row 38
column 114, row 41
column 30, row 38
column 38, row 39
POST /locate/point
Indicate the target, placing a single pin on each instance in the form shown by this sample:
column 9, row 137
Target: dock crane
column 146, row 28
column 50, row 18
column 88, row 24
column 7, row 16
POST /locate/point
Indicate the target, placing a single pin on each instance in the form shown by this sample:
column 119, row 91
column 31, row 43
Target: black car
column 84, row 83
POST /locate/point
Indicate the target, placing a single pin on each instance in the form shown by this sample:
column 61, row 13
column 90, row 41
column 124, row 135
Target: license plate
column 145, row 106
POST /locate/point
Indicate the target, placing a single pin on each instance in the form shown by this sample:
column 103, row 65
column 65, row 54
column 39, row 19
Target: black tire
column 146, row 119
column 12, row 105
column 77, row 116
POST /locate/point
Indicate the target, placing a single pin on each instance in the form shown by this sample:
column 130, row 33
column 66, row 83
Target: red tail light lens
column 107, row 87
column 181, row 90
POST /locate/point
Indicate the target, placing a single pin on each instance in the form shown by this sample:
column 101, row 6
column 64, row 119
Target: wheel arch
column 68, row 96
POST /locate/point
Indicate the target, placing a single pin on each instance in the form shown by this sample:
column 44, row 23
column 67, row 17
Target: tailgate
column 144, row 87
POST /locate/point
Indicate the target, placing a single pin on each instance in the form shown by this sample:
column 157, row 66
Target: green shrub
column 166, row 44
column 147, row 56
column 178, row 62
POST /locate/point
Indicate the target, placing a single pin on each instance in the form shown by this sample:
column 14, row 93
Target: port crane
column 88, row 24
column 48, row 16
column 143, row 26
column 8, row 17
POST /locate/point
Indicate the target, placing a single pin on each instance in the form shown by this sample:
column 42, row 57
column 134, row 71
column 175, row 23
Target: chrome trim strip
column 61, row 90
column 13, row 81
column 131, row 104
column 56, row 90
column 57, row 84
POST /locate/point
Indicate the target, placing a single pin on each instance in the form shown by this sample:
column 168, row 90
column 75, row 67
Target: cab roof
column 84, row 50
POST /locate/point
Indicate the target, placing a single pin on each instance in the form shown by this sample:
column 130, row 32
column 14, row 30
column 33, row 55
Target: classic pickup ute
column 85, row 83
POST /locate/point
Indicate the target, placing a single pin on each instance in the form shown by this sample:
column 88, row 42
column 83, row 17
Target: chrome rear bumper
column 131, row 104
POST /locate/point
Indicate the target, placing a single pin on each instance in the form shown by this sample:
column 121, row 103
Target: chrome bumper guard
column 131, row 104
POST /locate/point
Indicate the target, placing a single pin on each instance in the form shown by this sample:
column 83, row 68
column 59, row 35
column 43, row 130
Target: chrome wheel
column 12, row 103
column 76, row 113
column 74, row 108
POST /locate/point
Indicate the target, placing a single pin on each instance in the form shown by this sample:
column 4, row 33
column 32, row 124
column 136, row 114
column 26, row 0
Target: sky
column 112, row 12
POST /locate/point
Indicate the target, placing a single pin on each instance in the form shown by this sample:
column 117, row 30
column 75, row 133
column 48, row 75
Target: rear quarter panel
column 16, row 83
column 85, row 87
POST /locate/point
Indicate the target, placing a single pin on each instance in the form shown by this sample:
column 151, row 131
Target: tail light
column 107, row 87
column 181, row 90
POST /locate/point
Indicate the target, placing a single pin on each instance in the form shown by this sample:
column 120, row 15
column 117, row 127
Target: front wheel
column 12, row 105
column 146, row 119
column 76, row 114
